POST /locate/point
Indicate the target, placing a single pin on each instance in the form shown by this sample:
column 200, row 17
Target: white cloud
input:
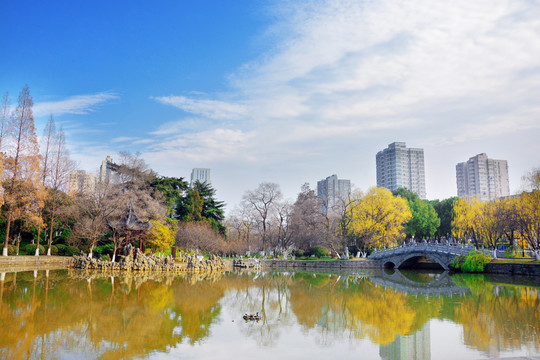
column 78, row 104
column 338, row 74
column 209, row 108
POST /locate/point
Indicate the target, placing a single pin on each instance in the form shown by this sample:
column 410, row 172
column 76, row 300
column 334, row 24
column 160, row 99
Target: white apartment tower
column 399, row 166
column 200, row 174
column 81, row 182
column 331, row 191
column 482, row 178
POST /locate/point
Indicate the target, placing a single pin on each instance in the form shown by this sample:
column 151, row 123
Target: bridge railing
column 454, row 249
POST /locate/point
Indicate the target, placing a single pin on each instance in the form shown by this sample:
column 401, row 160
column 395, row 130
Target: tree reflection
column 121, row 316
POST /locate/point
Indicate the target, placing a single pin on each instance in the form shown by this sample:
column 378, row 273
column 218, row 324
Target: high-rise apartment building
column 399, row 166
column 106, row 174
column 81, row 182
column 200, row 174
column 482, row 178
column 332, row 191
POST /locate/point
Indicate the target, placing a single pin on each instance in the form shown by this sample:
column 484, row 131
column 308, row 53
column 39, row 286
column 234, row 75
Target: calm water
column 376, row 315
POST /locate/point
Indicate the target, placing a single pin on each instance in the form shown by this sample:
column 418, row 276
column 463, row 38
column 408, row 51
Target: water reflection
column 87, row 315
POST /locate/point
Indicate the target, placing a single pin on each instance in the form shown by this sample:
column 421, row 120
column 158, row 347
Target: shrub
column 318, row 251
column 104, row 249
column 106, row 258
column 299, row 253
column 457, row 262
column 30, row 249
column 475, row 261
column 65, row 250
column 12, row 249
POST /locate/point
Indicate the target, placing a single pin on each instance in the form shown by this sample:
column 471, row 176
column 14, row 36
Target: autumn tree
column 162, row 234
column 378, row 218
column 22, row 165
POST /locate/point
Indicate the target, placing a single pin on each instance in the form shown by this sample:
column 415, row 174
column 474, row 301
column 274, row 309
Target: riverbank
column 26, row 263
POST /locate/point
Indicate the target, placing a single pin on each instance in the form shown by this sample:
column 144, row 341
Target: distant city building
column 200, row 174
column 399, row 166
column 482, row 178
column 331, row 191
column 105, row 172
column 81, row 182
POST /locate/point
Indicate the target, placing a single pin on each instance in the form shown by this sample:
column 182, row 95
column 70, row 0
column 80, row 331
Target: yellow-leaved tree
column 378, row 218
column 161, row 235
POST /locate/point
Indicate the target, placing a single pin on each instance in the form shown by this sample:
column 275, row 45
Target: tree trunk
column 37, row 242
column 5, row 251
column 49, row 244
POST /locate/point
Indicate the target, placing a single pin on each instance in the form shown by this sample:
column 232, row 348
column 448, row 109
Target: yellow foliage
column 161, row 236
column 378, row 217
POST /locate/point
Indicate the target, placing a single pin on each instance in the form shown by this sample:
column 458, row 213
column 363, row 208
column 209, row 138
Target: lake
column 69, row 314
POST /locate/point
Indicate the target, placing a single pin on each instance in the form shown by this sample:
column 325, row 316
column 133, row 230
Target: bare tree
column 91, row 211
column 199, row 236
column 307, row 219
column 60, row 168
column 263, row 201
column 5, row 111
column 282, row 219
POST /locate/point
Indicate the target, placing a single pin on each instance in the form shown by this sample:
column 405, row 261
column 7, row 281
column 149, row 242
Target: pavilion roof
column 129, row 222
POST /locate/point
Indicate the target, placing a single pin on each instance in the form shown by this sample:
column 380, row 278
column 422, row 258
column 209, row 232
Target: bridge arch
column 430, row 255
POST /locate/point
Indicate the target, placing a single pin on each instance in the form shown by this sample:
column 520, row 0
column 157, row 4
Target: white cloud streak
column 78, row 104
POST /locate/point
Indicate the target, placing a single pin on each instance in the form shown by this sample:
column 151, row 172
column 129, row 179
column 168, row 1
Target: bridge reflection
column 439, row 284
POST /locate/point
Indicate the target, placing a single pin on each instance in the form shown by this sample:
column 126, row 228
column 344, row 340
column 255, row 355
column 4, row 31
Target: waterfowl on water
column 255, row 316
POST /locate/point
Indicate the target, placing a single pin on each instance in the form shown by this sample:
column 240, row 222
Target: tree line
column 39, row 216
column 38, row 213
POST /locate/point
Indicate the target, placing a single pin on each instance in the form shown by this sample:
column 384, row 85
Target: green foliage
column 106, row 257
column 104, row 249
column 299, row 253
column 457, row 262
column 424, row 221
column 173, row 189
column 318, row 251
column 474, row 262
column 65, row 250
column 30, row 249
column 199, row 204
column 445, row 211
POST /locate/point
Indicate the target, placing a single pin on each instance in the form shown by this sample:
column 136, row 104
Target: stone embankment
column 137, row 261
column 24, row 263
column 513, row 269
column 246, row 263
column 334, row 264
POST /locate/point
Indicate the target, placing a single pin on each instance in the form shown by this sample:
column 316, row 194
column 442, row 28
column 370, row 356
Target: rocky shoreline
column 134, row 260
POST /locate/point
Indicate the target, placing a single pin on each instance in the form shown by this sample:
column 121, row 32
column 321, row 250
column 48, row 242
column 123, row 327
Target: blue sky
column 282, row 91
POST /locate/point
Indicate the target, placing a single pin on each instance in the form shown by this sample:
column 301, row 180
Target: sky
column 282, row 91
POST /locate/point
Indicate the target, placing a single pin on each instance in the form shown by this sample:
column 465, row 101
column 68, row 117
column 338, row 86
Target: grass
column 515, row 261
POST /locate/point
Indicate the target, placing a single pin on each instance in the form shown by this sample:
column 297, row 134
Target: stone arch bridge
column 442, row 254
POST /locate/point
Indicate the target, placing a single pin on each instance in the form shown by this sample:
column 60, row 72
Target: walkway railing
column 452, row 249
